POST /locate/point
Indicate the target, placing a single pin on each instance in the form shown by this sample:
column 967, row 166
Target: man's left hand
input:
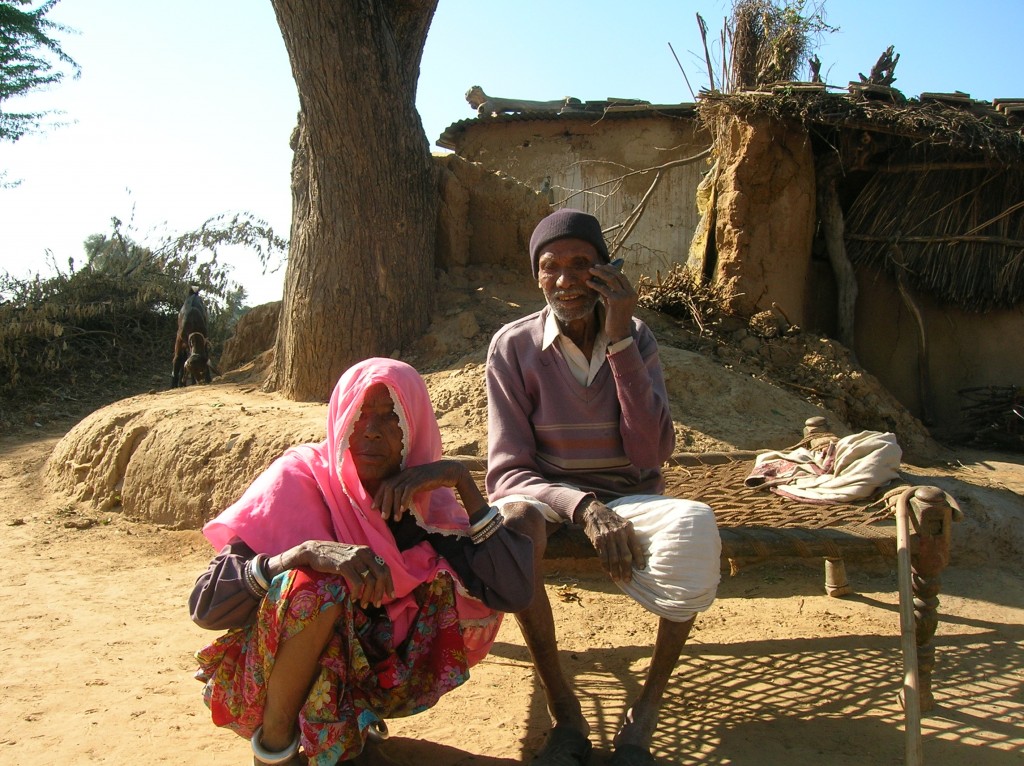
column 615, row 540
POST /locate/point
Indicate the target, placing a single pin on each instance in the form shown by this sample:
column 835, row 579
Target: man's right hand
column 614, row 538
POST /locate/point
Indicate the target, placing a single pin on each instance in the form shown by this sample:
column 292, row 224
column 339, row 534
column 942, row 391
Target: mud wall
column 485, row 218
column 606, row 167
column 964, row 350
column 765, row 212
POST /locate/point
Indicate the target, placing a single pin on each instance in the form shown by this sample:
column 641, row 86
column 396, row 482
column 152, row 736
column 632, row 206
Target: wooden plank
column 948, row 98
column 1001, row 103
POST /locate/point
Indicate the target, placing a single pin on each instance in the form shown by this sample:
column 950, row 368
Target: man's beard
column 566, row 314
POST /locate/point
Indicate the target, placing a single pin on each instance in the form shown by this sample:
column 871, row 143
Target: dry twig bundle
column 684, row 295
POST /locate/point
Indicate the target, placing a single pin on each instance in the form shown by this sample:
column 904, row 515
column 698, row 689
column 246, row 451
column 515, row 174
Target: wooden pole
column 908, row 635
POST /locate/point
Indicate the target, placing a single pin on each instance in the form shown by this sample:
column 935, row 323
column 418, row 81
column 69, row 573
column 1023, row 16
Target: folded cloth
column 683, row 550
column 850, row 468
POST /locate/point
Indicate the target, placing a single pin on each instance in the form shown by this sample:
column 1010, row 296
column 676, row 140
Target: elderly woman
column 353, row 585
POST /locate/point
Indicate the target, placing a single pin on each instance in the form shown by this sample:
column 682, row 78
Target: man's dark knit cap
column 563, row 224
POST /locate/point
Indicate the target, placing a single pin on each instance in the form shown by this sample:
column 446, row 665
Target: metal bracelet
column 482, row 534
column 487, row 519
column 258, row 571
column 251, row 583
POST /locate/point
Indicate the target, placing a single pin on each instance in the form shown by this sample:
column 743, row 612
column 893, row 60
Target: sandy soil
column 97, row 656
column 100, row 554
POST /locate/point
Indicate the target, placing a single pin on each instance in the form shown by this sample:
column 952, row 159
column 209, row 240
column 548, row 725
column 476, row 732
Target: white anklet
column 269, row 756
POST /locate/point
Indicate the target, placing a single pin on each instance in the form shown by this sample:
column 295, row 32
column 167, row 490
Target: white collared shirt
column 583, row 369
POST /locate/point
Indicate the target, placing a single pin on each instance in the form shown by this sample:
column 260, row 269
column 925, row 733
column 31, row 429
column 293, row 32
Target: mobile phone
column 617, row 264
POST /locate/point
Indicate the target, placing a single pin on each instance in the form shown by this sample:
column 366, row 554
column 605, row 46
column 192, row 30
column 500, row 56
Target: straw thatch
column 955, row 234
column 769, row 42
column 977, row 130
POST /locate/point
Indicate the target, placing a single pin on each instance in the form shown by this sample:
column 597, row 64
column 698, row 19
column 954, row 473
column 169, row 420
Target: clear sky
column 183, row 110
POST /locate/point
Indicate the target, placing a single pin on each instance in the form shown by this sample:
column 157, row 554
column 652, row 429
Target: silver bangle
column 251, row 583
column 257, row 570
column 481, row 523
column 482, row 534
column 269, row 756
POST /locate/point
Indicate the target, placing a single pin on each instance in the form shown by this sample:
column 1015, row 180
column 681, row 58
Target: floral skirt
column 363, row 676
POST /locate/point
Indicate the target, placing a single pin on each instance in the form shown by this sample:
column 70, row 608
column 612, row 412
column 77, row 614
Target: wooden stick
column 687, row 79
column 924, row 384
column 707, row 54
column 908, row 635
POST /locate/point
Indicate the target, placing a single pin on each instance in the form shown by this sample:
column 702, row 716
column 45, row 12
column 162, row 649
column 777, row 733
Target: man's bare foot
column 638, row 725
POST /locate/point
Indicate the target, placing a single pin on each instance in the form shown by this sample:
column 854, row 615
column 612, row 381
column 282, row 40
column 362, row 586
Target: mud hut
column 895, row 225
column 633, row 164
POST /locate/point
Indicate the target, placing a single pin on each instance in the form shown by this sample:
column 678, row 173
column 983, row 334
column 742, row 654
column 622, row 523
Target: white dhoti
column 683, row 548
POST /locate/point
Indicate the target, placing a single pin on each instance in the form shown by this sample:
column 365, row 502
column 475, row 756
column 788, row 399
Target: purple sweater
column 551, row 438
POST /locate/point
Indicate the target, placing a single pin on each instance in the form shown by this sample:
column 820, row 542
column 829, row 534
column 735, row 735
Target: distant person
column 353, row 586
column 579, row 427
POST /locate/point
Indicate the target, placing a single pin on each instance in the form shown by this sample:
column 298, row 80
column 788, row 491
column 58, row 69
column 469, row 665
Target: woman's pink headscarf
column 312, row 492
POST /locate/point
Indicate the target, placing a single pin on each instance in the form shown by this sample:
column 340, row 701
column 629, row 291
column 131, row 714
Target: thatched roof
column 955, row 234
column 967, row 127
column 933, row 187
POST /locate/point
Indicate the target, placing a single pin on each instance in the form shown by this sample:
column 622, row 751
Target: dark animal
column 191, row 347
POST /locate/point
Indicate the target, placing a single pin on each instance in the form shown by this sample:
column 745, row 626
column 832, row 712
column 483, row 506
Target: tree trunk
column 364, row 200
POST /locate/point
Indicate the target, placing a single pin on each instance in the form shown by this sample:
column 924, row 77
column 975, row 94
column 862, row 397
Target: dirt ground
column 101, row 550
column 97, row 655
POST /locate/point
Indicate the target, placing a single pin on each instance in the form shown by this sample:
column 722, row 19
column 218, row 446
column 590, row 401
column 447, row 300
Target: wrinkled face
column 376, row 441
column 563, row 269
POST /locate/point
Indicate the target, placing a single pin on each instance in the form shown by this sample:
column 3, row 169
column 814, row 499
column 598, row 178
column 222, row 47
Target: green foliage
column 112, row 317
column 27, row 53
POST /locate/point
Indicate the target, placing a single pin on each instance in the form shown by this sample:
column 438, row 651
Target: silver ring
column 379, row 560
column 364, row 573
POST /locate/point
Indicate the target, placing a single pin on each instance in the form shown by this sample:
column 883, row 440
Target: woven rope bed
column 756, row 523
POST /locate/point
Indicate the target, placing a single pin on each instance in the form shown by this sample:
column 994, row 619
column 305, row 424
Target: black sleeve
column 499, row 571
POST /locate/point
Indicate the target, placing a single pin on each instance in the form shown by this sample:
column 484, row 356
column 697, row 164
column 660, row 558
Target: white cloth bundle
column 849, row 469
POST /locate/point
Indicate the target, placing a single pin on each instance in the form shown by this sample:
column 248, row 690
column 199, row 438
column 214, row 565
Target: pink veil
column 312, row 492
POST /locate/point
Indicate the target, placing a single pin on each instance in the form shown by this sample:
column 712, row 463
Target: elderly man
column 579, row 428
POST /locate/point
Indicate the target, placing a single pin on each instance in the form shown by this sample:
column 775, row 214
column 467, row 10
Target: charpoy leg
column 932, row 512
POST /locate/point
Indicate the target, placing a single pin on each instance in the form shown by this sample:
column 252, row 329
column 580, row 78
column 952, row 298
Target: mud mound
column 178, row 457
column 254, row 334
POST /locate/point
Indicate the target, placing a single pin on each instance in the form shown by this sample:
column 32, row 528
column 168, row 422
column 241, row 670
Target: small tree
column 26, row 61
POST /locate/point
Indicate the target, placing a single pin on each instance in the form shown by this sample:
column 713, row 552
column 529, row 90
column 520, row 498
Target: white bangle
column 489, row 529
column 269, row 756
column 257, row 570
column 480, row 524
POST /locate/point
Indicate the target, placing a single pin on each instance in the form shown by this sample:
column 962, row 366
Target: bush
column 105, row 329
